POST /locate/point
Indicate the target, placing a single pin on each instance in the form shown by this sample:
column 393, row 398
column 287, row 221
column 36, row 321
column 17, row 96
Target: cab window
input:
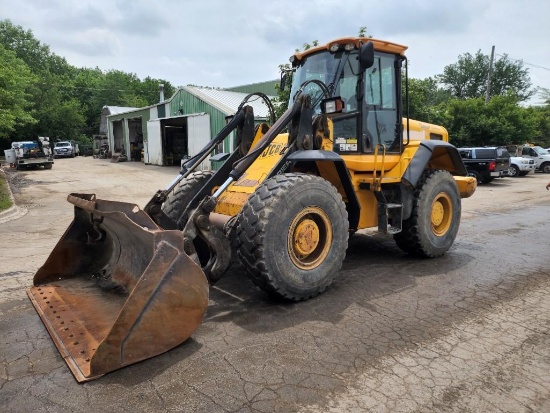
column 380, row 116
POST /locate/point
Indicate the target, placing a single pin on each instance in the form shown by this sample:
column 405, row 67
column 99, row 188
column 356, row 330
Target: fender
column 312, row 157
column 435, row 155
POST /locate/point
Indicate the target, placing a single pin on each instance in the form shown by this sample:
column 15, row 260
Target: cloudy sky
column 225, row 43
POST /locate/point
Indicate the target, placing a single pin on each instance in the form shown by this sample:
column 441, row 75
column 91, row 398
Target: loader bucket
column 117, row 289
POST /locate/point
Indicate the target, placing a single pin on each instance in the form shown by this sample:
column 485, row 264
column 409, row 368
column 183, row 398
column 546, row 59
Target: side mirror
column 282, row 83
column 366, row 55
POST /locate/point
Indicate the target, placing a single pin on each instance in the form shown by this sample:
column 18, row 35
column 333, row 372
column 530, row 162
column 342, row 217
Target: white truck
column 31, row 154
column 520, row 166
column 538, row 154
column 66, row 148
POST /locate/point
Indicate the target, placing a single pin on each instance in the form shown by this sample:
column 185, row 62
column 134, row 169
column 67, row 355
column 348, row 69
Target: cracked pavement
column 466, row 332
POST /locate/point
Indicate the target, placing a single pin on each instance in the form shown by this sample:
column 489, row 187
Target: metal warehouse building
column 177, row 128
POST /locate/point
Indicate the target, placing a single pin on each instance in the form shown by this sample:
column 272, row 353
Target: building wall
column 184, row 102
column 130, row 130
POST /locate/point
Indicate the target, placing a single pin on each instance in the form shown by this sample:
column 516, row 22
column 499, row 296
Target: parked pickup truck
column 520, row 166
column 540, row 155
column 486, row 163
column 65, row 148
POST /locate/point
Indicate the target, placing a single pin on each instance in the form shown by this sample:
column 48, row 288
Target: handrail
column 376, row 182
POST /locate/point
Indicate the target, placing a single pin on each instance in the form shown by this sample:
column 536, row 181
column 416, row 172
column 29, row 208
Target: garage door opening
column 175, row 142
column 171, row 140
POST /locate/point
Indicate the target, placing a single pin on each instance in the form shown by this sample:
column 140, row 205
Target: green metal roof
column 228, row 102
column 267, row 88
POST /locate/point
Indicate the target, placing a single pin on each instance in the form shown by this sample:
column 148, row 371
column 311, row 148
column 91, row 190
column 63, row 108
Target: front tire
column 183, row 193
column 545, row 167
column 292, row 236
column 513, row 171
column 432, row 227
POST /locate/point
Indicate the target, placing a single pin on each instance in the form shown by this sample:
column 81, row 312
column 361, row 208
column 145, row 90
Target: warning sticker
column 346, row 145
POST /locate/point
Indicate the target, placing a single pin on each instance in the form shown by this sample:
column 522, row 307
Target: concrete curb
column 13, row 212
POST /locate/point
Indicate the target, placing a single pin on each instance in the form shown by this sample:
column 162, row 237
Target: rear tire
column 183, row 193
column 48, row 166
column 292, row 236
column 476, row 175
column 432, row 227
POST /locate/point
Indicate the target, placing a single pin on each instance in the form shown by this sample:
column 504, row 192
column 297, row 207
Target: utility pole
column 488, row 92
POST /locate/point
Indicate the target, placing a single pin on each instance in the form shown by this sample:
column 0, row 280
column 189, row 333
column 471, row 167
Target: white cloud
column 221, row 43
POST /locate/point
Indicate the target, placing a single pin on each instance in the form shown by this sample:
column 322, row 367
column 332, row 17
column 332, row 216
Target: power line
column 65, row 86
column 524, row 62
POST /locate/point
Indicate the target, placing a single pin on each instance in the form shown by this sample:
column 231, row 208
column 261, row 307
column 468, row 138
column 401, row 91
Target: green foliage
column 468, row 77
column 500, row 122
column 42, row 95
column 544, row 94
column 25, row 46
column 541, row 115
column 15, row 82
column 427, row 102
column 283, row 95
column 5, row 200
column 363, row 32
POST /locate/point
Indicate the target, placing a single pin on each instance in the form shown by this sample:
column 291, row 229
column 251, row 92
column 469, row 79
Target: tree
column 500, row 122
column 24, row 45
column 15, row 81
column 467, row 78
column 148, row 89
column 63, row 102
column 545, row 94
column 542, row 116
column 363, row 32
column 427, row 102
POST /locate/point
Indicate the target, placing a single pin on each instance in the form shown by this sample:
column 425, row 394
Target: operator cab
column 364, row 92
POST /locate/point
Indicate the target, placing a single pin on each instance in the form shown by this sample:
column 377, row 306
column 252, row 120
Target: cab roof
column 379, row 45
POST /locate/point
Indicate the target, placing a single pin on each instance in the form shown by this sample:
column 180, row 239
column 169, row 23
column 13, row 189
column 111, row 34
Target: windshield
column 61, row 144
column 370, row 116
column 541, row 151
column 338, row 71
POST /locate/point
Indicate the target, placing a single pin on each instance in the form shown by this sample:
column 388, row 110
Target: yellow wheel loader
column 124, row 284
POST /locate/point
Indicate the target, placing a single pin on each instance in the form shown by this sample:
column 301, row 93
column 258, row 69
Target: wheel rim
column 512, row 171
column 442, row 212
column 309, row 238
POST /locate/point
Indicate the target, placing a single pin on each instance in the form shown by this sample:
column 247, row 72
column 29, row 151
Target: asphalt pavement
column 466, row 332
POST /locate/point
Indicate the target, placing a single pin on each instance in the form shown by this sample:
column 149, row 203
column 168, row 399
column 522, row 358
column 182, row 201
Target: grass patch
column 5, row 200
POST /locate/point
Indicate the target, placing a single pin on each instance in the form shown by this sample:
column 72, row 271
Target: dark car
column 486, row 163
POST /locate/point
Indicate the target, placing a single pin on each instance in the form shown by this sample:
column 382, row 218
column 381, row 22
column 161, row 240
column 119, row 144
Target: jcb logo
column 272, row 149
